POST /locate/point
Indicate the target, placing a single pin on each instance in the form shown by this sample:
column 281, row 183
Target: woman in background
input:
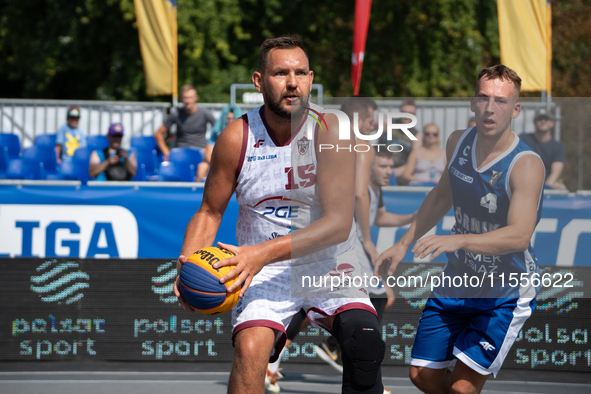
column 427, row 163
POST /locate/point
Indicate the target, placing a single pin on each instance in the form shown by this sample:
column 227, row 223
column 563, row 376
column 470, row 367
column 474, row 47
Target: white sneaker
column 271, row 382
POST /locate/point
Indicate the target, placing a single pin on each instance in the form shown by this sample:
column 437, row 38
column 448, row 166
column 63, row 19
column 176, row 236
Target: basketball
column 200, row 283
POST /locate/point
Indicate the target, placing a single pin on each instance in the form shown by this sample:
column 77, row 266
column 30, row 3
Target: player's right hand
column 248, row 262
column 389, row 260
column 179, row 264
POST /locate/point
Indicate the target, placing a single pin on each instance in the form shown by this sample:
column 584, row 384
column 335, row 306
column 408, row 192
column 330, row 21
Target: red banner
column 362, row 11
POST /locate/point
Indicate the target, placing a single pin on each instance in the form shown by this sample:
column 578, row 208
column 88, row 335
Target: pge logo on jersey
column 97, row 231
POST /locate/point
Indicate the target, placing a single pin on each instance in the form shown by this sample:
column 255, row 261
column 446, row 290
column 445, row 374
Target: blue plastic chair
column 143, row 141
column 81, row 161
column 67, row 171
column 148, row 159
column 96, row 142
column 393, row 181
column 146, row 142
column 140, row 173
column 176, row 172
column 44, row 154
column 46, row 140
column 186, row 155
column 3, row 161
column 12, row 143
column 24, row 169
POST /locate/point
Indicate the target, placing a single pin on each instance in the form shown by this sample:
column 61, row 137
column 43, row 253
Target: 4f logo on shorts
column 487, row 346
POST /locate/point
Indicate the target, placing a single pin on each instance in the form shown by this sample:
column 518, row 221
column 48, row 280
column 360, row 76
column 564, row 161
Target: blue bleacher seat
column 393, row 181
column 44, row 154
column 176, row 172
column 147, row 163
column 147, row 142
column 143, row 141
column 148, row 158
column 97, row 142
column 81, row 160
column 187, row 155
column 3, row 161
column 24, row 169
column 67, row 171
column 140, row 173
column 12, row 143
column 46, row 139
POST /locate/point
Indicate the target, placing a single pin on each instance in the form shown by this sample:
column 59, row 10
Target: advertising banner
column 122, row 309
column 149, row 222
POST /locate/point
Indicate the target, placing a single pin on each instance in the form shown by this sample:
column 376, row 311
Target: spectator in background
column 398, row 137
column 551, row 151
column 427, row 163
column 113, row 163
column 229, row 113
column 69, row 136
column 191, row 123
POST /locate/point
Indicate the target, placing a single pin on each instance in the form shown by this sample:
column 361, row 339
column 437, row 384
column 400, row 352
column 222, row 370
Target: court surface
column 56, row 377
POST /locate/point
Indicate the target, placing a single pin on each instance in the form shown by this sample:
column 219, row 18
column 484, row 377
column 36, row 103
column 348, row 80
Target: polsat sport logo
column 59, row 282
column 163, row 284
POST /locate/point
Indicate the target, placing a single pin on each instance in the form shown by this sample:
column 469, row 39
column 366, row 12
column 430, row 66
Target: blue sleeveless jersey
column 481, row 204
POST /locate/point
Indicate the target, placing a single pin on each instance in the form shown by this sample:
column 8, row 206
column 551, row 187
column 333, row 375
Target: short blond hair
column 503, row 73
column 186, row 87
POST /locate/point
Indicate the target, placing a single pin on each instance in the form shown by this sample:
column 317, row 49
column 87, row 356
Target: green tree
column 60, row 49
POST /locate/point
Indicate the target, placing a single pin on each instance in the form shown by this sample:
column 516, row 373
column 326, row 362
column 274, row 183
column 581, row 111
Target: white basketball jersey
column 276, row 188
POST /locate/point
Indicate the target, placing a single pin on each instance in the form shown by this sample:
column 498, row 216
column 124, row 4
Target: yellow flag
column 525, row 30
column 156, row 22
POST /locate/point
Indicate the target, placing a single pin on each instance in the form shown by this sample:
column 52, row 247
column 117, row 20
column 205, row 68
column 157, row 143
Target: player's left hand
column 248, row 262
column 437, row 244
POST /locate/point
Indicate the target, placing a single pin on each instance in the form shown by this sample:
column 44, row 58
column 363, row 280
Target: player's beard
column 275, row 107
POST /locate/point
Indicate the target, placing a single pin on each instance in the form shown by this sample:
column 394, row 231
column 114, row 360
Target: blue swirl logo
column 59, row 282
column 559, row 293
column 163, row 285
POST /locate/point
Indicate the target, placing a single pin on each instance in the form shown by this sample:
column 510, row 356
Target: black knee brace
column 293, row 329
column 362, row 347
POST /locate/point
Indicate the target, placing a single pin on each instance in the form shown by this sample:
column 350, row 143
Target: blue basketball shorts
column 477, row 331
